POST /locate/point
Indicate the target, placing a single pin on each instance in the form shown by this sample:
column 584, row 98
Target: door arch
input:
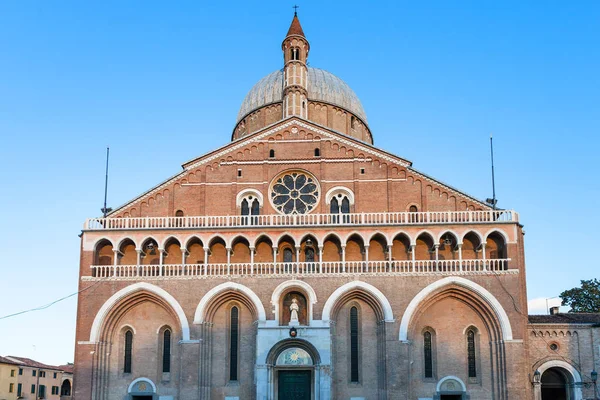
column 559, row 381
column 294, row 367
column 451, row 388
column 142, row 389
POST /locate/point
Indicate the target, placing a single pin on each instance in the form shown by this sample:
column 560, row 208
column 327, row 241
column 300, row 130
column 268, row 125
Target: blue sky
column 161, row 83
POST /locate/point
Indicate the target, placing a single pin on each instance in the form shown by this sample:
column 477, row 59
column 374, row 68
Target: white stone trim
column 249, row 192
column 334, row 191
column 236, row 287
column 275, row 297
column 142, row 379
column 467, row 284
column 499, row 231
column 335, row 296
column 126, row 291
column 413, row 240
column 446, row 378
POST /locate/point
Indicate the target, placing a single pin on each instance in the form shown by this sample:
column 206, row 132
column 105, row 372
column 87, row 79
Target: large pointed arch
column 129, row 291
column 201, row 311
column 386, row 308
column 471, row 286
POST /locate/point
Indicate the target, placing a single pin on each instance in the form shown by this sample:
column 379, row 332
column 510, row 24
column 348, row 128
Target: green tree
column 584, row 299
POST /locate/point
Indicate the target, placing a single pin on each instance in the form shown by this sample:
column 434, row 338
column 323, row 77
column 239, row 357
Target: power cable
column 50, row 304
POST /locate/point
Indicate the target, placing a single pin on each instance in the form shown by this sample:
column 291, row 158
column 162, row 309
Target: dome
column 322, row 86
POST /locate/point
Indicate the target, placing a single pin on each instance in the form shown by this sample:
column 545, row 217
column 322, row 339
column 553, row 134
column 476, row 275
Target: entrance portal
column 555, row 385
column 294, row 385
column 142, row 397
column 451, row 397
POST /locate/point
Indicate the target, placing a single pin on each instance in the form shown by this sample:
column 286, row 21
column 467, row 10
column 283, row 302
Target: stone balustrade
column 278, row 220
column 301, row 269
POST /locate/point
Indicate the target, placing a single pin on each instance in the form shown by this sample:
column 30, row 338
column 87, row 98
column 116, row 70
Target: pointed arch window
column 245, row 208
column 354, row 348
column 234, row 331
column 128, row 352
column 428, row 354
column 334, row 206
column 166, row 358
column 471, row 355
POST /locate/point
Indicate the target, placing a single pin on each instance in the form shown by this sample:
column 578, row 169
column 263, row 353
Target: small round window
column 294, row 192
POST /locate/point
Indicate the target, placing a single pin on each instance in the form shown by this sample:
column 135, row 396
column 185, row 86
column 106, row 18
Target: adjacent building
column 24, row 378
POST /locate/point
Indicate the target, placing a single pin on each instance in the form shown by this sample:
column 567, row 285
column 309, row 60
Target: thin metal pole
column 493, row 178
column 104, row 210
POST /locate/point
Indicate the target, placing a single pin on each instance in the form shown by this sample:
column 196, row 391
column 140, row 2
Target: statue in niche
column 294, row 308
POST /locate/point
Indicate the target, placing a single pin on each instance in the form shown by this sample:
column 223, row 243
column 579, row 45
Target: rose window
column 295, row 193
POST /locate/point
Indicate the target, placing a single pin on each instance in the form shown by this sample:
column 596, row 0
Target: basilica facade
column 299, row 261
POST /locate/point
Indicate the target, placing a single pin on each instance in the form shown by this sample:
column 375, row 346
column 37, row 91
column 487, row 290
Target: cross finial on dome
column 296, row 10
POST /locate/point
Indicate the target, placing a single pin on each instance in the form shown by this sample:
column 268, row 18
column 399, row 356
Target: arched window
column 345, row 205
column 245, row 208
column 413, row 208
column 352, row 122
column 317, row 153
column 166, row 359
column 128, row 351
column 334, row 206
column 179, row 213
column 234, row 331
column 471, row 356
column 272, row 153
column 255, row 207
column 354, row 349
column 428, row 354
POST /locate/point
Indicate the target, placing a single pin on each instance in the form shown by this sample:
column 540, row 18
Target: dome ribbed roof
column 322, row 86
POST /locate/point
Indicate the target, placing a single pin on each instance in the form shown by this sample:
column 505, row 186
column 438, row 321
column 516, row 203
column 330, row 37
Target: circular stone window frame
column 289, row 172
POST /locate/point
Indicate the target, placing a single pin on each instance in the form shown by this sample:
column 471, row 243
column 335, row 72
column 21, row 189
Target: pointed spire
column 295, row 27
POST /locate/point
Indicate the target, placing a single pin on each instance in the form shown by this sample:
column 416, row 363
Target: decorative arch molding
column 142, row 379
column 277, row 241
column 210, row 240
column 293, row 283
column 378, row 233
column 130, row 290
column 185, row 243
column 358, row 234
column 474, row 232
column 249, row 192
column 358, row 285
column 438, row 388
column 334, row 191
column 172, row 238
column 413, row 240
column 200, row 315
column 578, row 395
column 483, row 293
column 103, row 239
column 450, row 231
column 286, row 344
column 498, row 231
column 122, row 240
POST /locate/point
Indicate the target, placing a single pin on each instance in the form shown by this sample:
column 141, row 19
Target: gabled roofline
column 307, row 124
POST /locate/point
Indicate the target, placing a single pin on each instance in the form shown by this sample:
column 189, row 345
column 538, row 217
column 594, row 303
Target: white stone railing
column 370, row 219
column 303, row 268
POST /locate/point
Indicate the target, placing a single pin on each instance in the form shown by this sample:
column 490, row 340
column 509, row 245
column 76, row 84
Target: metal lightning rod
column 493, row 178
column 104, row 209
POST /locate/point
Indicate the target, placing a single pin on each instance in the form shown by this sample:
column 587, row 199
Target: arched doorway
column 294, row 370
column 294, row 374
column 556, row 384
column 558, row 380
